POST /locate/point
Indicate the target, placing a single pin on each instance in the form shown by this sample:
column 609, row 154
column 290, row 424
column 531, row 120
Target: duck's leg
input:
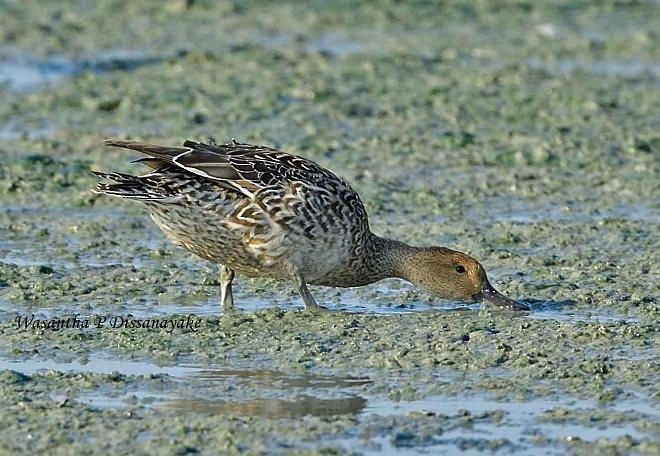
column 301, row 286
column 226, row 296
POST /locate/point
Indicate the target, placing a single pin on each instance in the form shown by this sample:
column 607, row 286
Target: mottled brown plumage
column 262, row 212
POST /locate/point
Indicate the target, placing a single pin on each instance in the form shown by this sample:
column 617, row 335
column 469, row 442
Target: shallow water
column 23, row 72
column 469, row 423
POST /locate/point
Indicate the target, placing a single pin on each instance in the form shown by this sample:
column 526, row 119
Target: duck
column 261, row 212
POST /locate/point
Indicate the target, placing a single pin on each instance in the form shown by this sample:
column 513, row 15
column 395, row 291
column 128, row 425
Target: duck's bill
column 494, row 297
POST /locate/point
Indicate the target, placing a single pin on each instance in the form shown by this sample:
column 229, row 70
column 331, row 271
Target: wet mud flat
column 525, row 134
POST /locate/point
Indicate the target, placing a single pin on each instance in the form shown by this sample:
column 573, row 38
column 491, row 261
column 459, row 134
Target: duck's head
column 454, row 275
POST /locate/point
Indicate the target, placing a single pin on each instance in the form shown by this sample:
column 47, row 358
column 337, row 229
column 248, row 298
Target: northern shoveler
column 263, row 212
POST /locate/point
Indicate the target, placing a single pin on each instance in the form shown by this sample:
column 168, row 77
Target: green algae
column 523, row 133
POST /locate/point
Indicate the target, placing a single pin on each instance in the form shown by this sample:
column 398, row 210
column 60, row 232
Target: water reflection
column 272, row 378
column 270, row 408
column 304, row 380
column 189, row 380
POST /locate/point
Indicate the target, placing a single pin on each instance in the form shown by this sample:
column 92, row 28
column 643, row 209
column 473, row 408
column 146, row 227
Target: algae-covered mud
column 524, row 133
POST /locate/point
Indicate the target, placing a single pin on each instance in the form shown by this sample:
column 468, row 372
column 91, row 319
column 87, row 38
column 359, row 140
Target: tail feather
column 163, row 153
column 154, row 163
column 147, row 187
column 127, row 186
column 117, row 177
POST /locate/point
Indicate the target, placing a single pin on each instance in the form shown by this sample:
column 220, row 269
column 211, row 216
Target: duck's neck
column 388, row 258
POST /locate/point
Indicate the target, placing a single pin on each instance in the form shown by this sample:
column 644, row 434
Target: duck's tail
column 131, row 187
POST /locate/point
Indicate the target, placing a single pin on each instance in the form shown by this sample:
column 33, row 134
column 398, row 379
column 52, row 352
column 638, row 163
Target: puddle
column 97, row 366
column 23, row 72
column 26, row 73
column 270, row 408
column 470, row 424
column 267, row 376
column 33, row 256
column 382, row 299
column 270, row 379
column 205, row 378
column 607, row 68
column 519, row 412
column 337, row 44
column 467, row 418
column 343, row 42
column 155, row 306
column 583, row 317
column 480, row 422
column 119, row 401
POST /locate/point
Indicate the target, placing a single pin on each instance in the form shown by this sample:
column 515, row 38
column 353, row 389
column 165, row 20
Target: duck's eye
column 460, row 268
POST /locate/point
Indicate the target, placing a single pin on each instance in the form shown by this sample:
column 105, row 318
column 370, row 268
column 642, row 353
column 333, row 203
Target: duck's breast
column 315, row 226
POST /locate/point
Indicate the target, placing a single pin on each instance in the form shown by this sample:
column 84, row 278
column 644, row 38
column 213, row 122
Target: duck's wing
column 260, row 166
column 244, row 167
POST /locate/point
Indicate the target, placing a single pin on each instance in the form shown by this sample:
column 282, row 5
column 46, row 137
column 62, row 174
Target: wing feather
column 244, row 168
